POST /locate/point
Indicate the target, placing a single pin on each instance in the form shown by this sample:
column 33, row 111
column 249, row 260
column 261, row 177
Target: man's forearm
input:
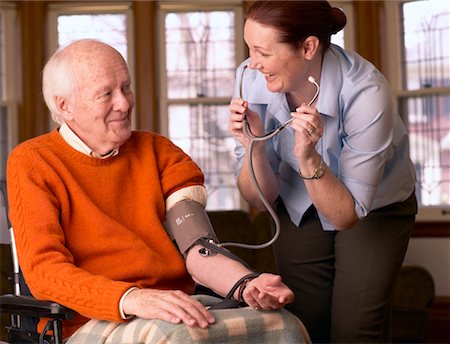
column 216, row 272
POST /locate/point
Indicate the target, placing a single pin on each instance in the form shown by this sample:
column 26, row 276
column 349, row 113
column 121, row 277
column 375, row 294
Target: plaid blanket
column 242, row 325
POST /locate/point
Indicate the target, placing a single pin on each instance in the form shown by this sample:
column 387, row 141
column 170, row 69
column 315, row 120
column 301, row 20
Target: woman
column 339, row 173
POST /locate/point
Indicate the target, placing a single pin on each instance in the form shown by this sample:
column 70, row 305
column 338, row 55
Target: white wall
column 434, row 255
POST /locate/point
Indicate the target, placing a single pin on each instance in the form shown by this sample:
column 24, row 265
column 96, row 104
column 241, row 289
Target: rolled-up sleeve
column 368, row 131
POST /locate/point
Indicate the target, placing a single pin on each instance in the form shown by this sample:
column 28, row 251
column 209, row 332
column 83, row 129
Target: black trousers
column 343, row 280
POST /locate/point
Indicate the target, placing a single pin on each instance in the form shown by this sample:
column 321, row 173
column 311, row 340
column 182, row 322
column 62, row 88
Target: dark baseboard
column 438, row 329
column 431, row 229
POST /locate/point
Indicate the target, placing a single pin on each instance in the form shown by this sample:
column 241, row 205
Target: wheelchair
column 24, row 310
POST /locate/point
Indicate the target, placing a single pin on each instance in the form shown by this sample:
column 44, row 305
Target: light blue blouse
column 365, row 143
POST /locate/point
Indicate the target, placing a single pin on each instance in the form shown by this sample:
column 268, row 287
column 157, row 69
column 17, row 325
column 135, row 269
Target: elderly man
column 88, row 201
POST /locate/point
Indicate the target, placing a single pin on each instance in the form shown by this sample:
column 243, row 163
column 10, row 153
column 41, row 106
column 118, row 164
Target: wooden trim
column 367, row 30
column 442, row 303
column 32, row 111
column 145, row 14
column 431, row 229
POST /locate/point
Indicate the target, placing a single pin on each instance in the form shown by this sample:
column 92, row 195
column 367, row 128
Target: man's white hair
column 58, row 78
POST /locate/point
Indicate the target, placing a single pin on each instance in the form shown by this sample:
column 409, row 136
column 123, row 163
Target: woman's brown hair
column 297, row 20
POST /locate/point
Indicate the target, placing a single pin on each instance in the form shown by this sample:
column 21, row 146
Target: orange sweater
column 89, row 229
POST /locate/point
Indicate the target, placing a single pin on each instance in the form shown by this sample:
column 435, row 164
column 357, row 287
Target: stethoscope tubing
column 252, row 139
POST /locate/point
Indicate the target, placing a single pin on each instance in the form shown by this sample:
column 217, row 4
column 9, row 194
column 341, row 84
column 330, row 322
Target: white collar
column 75, row 142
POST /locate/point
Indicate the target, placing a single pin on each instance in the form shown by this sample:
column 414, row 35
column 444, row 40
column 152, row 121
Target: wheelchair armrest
column 29, row 306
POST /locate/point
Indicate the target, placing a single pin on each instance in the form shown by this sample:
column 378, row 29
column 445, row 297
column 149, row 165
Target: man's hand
column 173, row 306
column 267, row 292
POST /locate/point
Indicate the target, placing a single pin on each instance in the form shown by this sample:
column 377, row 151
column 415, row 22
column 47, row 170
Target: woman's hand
column 267, row 292
column 173, row 306
column 238, row 112
column 308, row 126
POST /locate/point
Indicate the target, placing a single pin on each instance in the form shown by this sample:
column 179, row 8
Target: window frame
column 163, row 9
column 164, row 102
column 394, row 73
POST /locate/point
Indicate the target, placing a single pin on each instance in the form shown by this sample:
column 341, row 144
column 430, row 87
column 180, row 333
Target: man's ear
column 63, row 106
column 310, row 47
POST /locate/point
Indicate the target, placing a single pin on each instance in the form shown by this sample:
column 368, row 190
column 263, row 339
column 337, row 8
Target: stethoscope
column 252, row 139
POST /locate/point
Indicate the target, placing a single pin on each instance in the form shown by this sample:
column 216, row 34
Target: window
column 423, row 97
column 344, row 38
column 109, row 28
column 200, row 50
column 199, row 57
column 8, row 86
column 110, row 24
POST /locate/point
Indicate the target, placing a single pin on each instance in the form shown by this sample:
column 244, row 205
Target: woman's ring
column 310, row 131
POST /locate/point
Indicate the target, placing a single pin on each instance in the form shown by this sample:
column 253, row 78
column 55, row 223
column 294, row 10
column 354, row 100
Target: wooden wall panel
column 367, row 30
column 33, row 114
column 144, row 19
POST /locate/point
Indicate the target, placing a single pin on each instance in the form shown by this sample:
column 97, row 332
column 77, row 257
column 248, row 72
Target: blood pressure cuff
column 186, row 223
